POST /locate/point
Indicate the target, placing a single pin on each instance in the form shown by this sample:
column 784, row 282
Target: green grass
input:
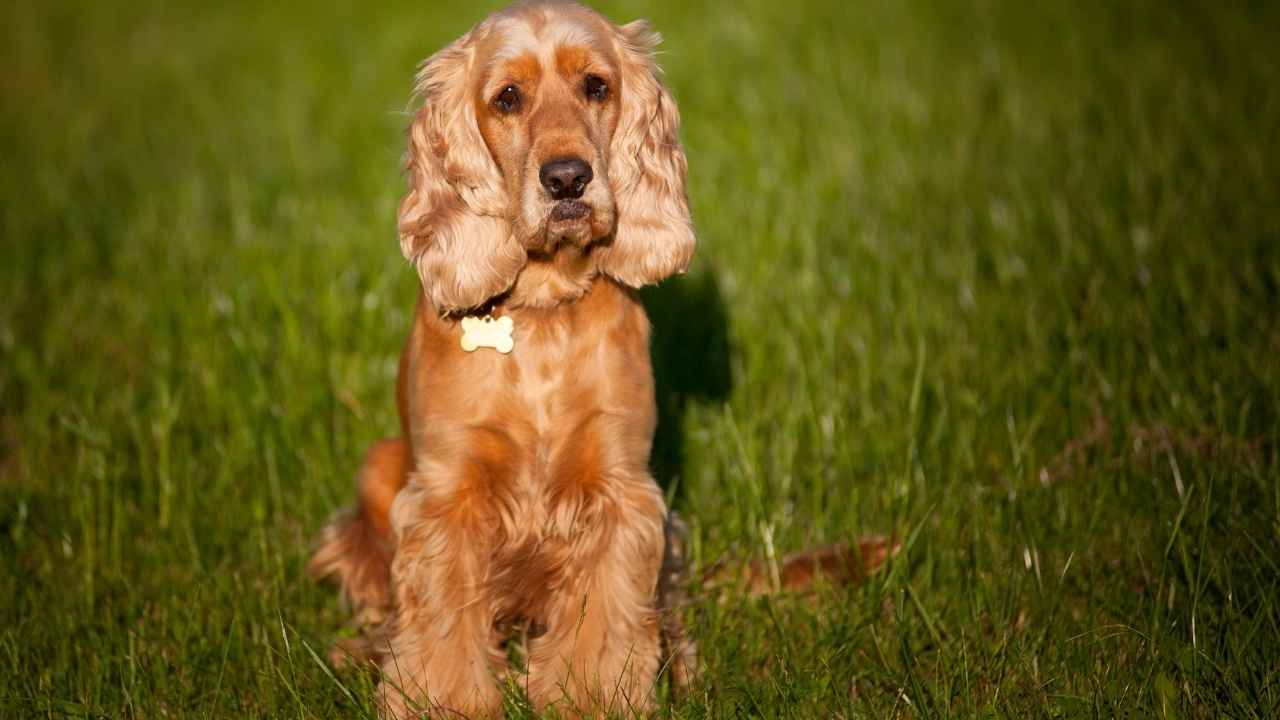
column 1002, row 280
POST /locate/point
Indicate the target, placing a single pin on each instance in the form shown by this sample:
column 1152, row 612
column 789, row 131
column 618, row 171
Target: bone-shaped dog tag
column 488, row 332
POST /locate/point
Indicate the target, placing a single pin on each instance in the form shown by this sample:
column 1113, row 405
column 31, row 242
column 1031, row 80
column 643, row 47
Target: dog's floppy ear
column 654, row 236
column 452, row 222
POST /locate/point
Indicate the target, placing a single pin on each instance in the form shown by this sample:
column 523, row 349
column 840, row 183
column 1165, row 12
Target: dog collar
column 487, row 331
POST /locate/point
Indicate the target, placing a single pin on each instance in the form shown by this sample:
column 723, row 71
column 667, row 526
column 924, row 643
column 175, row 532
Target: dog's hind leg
column 679, row 650
column 354, row 549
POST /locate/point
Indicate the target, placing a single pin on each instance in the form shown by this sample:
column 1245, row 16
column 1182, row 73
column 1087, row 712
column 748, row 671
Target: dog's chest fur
column 562, row 427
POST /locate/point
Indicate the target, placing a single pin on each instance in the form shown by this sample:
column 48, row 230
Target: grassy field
column 1003, row 281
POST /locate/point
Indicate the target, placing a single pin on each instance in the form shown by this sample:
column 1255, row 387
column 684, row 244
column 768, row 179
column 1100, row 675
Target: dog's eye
column 595, row 87
column 507, row 101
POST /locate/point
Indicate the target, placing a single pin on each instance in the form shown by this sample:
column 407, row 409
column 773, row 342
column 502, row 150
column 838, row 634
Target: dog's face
column 547, row 105
column 544, row 128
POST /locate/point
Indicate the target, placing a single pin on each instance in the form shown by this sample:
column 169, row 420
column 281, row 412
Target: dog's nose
column 565, row 178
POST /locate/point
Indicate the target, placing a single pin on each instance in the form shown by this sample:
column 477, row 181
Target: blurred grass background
column 1002, row 280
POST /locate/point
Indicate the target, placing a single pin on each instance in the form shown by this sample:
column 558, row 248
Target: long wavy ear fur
column 452, row 221
column 654, row 237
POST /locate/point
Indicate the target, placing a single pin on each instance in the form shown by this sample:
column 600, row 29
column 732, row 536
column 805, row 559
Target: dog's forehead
column 542, row 34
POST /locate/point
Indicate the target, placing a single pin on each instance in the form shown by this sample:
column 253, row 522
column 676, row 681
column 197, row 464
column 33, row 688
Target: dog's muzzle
column 569, row 210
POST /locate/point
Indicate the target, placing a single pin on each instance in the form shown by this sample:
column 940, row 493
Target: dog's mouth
column 568, row 222
column 568, row 210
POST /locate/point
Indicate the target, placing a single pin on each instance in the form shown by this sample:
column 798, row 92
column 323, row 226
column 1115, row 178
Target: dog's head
column 545, row 127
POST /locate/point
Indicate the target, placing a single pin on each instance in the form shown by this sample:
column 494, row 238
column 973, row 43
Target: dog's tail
column 354, row 549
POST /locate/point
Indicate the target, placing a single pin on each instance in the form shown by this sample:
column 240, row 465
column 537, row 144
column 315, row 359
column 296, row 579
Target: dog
column 546, row 186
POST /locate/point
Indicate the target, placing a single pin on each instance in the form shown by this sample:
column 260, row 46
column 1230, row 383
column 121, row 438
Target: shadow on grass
column 690, row 350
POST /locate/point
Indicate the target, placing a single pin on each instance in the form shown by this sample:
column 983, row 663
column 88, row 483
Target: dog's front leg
column 442, row 652
column 600, row 651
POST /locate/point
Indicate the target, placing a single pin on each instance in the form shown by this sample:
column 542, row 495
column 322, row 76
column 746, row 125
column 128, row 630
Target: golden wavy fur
column 519, row 488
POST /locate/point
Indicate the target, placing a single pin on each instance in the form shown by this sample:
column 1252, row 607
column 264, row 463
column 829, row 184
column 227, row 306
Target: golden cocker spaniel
column 546, row 184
